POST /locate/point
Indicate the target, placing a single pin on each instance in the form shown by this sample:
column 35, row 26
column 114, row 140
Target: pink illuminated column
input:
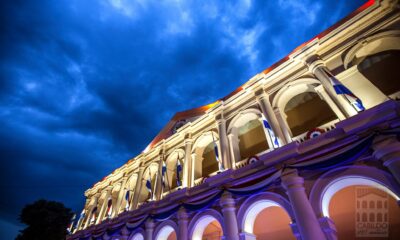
column 388, row 151
column 306, row 220
column 182, row 224
column 228, row 211
column 149, row 228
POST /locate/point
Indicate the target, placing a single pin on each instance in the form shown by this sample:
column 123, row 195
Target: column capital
column 188, row 141
column 220, row 118
column 291, row 180
column 149, row 224
column 313, row 62
column 182, row 214
column 386, row 147
column 227, row 201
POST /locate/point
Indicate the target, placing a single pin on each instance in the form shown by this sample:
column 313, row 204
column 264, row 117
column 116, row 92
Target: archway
column 130, row 186
column 166, row 233
column 149, row 174
column 207, row 227
column 362, row 208
column 172, row 165
column 382, row 70
column 205, row 160
column 266, row 215
column 306, row 111
column 137, row 236
column 372, row 64
column 247, row 135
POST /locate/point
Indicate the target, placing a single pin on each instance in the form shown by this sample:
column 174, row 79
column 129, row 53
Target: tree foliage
column 46, row 220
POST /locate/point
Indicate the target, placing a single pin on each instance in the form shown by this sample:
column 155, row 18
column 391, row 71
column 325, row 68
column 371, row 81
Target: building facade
column 307, row 149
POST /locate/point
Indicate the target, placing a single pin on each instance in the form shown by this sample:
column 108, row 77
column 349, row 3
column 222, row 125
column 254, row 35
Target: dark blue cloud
column 85, row 85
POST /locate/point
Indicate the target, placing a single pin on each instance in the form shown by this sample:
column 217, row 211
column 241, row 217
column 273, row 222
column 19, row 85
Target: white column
column 306, row 219
column 138, row 189
column 81, row 223
column 193, row 170
column 182, row 224
column 158, row 188
column 223, row 142
column 285, row 128
column 103, row 208
column 228, row 211
column 234, row 147
column 121, row 196
column 387, row 149
column 318, row 68
column 187, row 166
column 269, row 114
column 149, row 228
column 90, row 210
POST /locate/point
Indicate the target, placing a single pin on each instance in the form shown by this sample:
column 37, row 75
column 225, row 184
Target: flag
column 178, row 172
column 148, row 185
column 274, row 138
column 93, row 215
column 127, row 200
column 71, row 225
column 340, row 89
column 163, row 171
column 81, row 217
column 109, row 207
column 220, row 165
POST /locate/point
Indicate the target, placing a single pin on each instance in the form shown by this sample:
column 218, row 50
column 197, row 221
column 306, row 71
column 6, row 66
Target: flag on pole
column 127, row 200
column 220, row 165
column 178, row 172
column 148, row 186
column 93, row 219
column 71, row 225
column 109, row 207
column 267, row 127
column 81, row 217
column 340, row 89
column 163, row 171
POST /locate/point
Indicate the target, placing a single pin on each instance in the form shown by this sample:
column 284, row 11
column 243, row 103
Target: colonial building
column 307, row 149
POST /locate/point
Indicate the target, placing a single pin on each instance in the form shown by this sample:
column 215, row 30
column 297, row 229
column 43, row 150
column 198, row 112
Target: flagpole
column 166, row 173
column 216, row 154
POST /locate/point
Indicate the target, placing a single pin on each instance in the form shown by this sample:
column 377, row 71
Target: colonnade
column 228, row 145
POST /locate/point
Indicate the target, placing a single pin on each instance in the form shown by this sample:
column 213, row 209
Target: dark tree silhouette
column 46, row 220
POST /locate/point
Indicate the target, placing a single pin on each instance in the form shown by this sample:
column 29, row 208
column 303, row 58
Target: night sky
column 86, row 85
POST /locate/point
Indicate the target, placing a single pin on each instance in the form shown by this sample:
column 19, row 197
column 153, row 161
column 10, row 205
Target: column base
column 328, row 227
column 295, row 231
column 247, row 236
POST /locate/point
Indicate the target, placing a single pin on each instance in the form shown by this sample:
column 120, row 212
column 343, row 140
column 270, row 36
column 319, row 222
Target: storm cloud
column 86, row 85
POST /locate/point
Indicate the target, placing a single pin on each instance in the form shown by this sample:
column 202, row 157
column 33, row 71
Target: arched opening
column 126, row 200
column 362, row 209
column 382, row 70
column 207, row 228
column 209, row 164
column 266, row 219
column 172, row 170
column 114, row 199
column 252, row 139
column 166, row 233
column 247, row 135
column 150, row 174
column 137, row 236
column 205, row 160
column 307, row 111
